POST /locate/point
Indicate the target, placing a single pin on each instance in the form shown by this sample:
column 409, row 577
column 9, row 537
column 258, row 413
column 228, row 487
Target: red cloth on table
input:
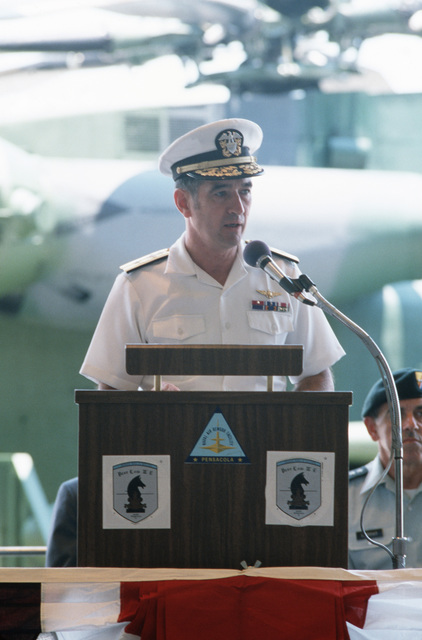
column 244, row 608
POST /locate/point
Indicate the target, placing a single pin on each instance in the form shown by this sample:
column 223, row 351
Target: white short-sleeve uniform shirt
column 173, row 301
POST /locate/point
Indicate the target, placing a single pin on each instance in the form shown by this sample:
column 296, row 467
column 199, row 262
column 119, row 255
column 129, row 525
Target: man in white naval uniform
column 201, row 291
column 380, row 514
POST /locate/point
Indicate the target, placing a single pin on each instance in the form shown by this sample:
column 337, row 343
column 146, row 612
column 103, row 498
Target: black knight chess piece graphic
column 298, row 496
column 135, row 503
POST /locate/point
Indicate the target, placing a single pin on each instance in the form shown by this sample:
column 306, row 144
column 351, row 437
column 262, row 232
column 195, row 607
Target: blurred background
column 92, row 91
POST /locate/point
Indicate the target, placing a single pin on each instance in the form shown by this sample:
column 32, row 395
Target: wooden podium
column 211, row 507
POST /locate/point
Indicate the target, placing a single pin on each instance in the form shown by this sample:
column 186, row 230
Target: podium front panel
column 217, row 508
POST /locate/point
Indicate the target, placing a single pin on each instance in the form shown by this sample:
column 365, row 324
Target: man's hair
column 189, row 184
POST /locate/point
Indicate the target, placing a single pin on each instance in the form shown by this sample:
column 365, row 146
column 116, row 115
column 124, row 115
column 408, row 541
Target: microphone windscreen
column 254, row 251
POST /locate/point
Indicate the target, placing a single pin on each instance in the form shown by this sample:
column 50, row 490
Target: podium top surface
column 245, row 360
column 243, row 398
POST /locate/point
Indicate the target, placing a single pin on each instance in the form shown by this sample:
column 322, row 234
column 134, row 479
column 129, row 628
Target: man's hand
column 167, row 386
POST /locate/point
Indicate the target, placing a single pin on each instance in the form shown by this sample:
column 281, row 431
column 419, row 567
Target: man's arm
column 322, row 381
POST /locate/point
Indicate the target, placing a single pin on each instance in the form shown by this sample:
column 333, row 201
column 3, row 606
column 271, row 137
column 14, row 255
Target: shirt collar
column 179, row 261
column 375, row 469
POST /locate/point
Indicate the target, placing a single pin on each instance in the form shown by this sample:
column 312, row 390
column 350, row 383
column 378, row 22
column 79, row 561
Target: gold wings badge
column 269, row 294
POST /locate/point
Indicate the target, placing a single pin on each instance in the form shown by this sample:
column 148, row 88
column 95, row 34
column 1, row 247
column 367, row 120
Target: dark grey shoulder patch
column 284, row 255
column 141, row 262
column 360, row 472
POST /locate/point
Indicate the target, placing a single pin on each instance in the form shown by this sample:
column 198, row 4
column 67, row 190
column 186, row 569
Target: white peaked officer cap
column 216, row 151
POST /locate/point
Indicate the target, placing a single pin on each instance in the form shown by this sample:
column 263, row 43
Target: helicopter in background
column 260, row 46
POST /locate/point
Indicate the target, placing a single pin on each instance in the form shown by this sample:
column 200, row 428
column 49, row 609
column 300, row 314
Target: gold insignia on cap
column 418, row 376
column 269, row 294
column 230, row 142
column 212, row 167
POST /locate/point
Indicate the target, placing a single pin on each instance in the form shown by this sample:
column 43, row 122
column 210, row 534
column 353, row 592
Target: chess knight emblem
column 135, row 492
column 298, row 487
column 230, row 143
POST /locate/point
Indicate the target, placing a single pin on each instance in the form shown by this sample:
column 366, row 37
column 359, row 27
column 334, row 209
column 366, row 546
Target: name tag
column 372, row 533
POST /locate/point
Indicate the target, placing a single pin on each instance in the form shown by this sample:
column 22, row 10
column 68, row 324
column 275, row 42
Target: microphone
column 258, row 254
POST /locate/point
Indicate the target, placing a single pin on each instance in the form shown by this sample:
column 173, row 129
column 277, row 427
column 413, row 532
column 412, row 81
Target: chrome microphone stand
column 398, row 555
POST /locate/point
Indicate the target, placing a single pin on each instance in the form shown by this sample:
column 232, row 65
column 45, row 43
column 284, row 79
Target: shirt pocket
column 177, row 328
column 266, row 324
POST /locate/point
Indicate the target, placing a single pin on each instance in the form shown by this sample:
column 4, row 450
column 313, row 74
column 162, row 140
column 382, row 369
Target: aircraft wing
column 67, row 226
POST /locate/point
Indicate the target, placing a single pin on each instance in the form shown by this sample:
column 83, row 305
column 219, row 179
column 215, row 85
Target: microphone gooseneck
column 258, row 254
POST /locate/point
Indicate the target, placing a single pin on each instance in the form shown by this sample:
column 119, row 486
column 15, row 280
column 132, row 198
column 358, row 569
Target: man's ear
column 371, row 427
column 182, row 199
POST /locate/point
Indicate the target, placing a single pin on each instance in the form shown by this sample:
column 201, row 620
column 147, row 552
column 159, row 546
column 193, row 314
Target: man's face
column 379, row 429
column 218, row 213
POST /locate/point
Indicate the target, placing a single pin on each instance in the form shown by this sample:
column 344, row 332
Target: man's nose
column 236, row 205
column 408, row 421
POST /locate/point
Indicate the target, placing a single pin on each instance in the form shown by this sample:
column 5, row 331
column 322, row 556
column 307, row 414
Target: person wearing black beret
column 379, row 516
